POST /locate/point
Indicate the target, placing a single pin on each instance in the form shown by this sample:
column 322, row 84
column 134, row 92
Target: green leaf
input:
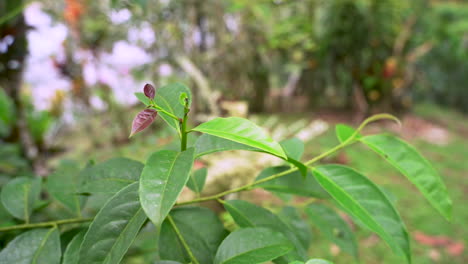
column 293, row 147
column 37, row 246
column 416, row 168
column 252, row 245
column 292, row 183
column 142, row 98
column 242, row 131
column 167, row 97
column 207, row 144
column 63, row 184
column 111, row 176
column 197, row 180
column 246, row 214
column 200, row 228
column 366, row 202
column 301, row 229
column 19, row 196
column 343, row 132
column 72, row 252
column 114, row 228
column 167, row 262
column 333, row 227
column 182, row 98
column 165, row 174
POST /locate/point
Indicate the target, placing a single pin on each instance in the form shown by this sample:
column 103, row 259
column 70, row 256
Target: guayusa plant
column 134, row 199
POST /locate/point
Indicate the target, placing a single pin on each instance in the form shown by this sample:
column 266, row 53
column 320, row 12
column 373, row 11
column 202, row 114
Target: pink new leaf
column 143, row 120
column 149, row 91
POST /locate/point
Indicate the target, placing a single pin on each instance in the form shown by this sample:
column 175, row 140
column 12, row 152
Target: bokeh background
column 69, row 70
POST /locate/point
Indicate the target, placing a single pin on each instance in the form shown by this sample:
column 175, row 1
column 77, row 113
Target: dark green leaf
column 72, row 252
column 142, row 98
column 293, row 147
column 111, row 176
column 165, row 174
column 415, row 167
column 242, row 131
column 63, row 186
column 366, row 202
column 343, row 132
column 207, row 144
column 197, row 180
column 301, row 229
column 252, row 245
column 292, row 183
column 19, row 196
column 37, row 246
column 333, row 227
column 114, row 228
column 168, row 98
column 246, row 214
column 200, row 228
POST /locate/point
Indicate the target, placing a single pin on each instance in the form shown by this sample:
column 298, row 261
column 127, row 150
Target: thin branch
column 46, row 224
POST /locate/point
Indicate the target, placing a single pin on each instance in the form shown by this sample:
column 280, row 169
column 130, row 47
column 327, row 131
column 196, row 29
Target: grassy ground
column 449, row 159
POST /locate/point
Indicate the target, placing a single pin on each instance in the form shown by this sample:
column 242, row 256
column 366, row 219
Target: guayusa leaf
column 149, row 91
column 143, row 120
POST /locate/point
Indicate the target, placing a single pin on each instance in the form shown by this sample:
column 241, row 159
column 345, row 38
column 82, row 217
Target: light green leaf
column 343, row 132
column 200, row 228
column 38, row 246
column 142, row 98
column 168, row 98
column 114, row 228
column 207, row 144
column 19, row 196
column 366, row 202
column 111, row 176
column 291, row 216
column 292, row 183
column 165, row 174
column 63, row 186
column 72, row 252
column 415, row 167
column 293, row 147
column 242, row 131
column 252, row 245
column 333, row 227
column 246, row 214
column 197, row 180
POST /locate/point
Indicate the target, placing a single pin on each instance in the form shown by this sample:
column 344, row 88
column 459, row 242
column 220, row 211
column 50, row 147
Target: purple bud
column 143, row 120
column 149, row 91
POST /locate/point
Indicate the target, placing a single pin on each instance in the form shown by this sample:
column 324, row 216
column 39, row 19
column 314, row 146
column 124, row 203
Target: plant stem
column 159, row 109
column 183, row 128
column 45, row 224
column 182, row 240
column 269, row 178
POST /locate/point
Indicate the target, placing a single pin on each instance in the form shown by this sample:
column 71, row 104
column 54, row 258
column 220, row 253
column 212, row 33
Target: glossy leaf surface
column 333, row 227
column 114, row 228
column 19, row 196
column 246, row 214
column 142, row 98
column 38, row 246
column 292, row 217
column 343, row 132
column 242, row 131
column 207, row 144
column 200, row 228
column 292, row 183
column 415, row 167
column 111, row 176
column 165, row 174
column 366, row 202
column 252, row 245
column 293, row 147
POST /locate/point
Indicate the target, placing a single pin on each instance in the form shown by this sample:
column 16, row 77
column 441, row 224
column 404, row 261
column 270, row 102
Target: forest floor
column 440, row 135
